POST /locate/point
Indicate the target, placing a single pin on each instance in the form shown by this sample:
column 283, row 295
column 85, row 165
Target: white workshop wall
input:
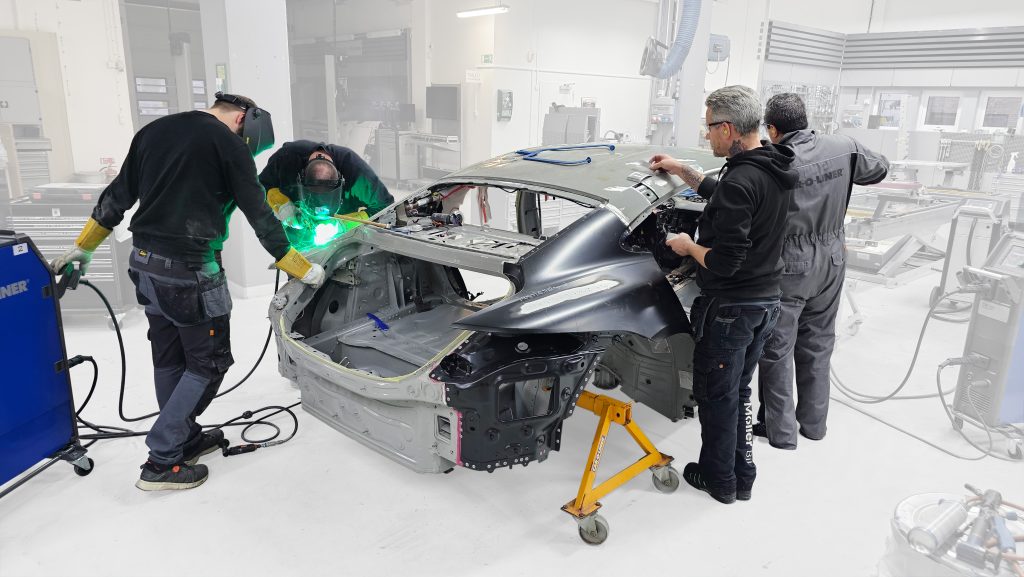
column 95, row 84
column 592, row 48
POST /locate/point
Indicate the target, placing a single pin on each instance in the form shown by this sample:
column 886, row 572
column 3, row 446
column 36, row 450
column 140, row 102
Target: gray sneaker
column 203, row 444
column 171, row 477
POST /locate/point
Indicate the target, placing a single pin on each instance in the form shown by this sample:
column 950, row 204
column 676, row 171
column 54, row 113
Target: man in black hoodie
column 739, row 248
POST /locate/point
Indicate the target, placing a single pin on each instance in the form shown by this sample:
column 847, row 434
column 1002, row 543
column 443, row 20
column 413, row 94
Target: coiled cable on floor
column 867, row 399
column 105, row 432
column 863, row 398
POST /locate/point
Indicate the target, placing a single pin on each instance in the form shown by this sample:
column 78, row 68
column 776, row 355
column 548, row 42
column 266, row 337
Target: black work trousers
column 189, row 309
column 729, row 337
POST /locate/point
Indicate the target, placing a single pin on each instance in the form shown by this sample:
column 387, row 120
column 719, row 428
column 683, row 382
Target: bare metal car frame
column 395, row 352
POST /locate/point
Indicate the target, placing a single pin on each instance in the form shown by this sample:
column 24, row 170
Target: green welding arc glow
column 325, row 232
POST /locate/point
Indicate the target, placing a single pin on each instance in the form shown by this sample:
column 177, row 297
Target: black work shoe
column 743, row 494
column 695, row 478
column 760, row 430
column 171, row 477
column 203, row 444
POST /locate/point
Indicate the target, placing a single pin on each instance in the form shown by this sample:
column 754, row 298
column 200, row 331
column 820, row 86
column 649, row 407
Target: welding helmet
column 321, row 196
column 257, row 128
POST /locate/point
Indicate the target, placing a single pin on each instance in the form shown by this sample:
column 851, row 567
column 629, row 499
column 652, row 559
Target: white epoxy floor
column 323, row 504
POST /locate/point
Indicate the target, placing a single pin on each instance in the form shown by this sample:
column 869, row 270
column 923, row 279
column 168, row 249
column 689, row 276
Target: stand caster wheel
column 84, row 471
column 665, row 479
column 958, row 423
column 593, row 529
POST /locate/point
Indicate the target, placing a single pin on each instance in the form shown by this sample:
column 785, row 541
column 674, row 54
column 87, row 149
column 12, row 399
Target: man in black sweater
column 738, row 248
column 188, row 172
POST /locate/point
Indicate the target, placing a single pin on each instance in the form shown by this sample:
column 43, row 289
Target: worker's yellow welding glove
column 91, row 236
column 294, row 264
column 276, row 198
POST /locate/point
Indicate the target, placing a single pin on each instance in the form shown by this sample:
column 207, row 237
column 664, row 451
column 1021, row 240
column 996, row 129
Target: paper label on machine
column 20, row 249
column 994, row 311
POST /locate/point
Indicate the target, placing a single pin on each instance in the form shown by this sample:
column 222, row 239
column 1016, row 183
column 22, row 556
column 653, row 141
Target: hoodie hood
column 771, row 158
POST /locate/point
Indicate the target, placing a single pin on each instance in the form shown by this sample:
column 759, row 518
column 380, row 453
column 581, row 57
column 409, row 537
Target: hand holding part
column 74, row 254
column 666, row 163
column 92, row 235
column 680, row 243
column 288, row 214
column 674, row 166
column 315, row 276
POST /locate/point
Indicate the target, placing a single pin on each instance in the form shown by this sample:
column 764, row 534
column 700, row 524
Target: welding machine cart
column 37, row 409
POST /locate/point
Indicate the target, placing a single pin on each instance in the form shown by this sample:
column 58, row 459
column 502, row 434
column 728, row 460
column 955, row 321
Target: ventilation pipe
column 654, row 63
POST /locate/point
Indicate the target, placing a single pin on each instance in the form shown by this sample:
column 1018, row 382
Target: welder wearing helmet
column 188, row 172
column 308, row 181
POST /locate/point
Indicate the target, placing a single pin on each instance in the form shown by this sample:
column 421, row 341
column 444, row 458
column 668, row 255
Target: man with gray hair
column 815, row 265
column 738, row 248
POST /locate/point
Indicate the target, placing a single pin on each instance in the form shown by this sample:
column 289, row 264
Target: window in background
column 1001, row 112
column 890, row 108
column 942, row 110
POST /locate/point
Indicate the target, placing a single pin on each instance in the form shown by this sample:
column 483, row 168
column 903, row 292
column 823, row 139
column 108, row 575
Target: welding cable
column 957, row 320
column 970, row 242
column 266, row 344
column 891, row 425
column 95, row 377
column 271, row 440
column 105, row 432
column 853, row 395
column 120, row 346
column 867, row 399
column 124, row 358
column 942, row 315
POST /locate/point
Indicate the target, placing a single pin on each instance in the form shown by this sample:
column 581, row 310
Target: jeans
column 189, row 311
column 729, row 337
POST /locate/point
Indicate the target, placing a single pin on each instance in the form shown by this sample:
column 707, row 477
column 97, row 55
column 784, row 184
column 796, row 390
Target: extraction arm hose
column 686, row 31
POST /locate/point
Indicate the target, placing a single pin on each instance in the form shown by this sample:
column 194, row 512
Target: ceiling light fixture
column 499, row 9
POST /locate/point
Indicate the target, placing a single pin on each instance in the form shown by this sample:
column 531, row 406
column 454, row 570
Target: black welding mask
column 320, row 187
column 257, row 128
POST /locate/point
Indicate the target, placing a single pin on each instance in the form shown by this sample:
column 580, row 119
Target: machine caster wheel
column 593, row 529
column 84, row 471
column 669, row 480
column 958, row 423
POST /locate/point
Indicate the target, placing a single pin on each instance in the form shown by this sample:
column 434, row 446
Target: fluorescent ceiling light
column 499, row 9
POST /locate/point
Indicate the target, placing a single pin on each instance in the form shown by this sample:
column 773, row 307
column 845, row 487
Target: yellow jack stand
column 593, row 528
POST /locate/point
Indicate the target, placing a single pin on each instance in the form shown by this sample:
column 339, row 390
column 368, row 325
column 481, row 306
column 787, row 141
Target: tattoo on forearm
column 736, row 148
column 692, row 178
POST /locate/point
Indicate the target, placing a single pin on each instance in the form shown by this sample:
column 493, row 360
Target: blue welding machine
column 37, row 411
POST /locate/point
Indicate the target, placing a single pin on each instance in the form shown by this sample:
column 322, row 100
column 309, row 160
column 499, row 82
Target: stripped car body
column 395, row 352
